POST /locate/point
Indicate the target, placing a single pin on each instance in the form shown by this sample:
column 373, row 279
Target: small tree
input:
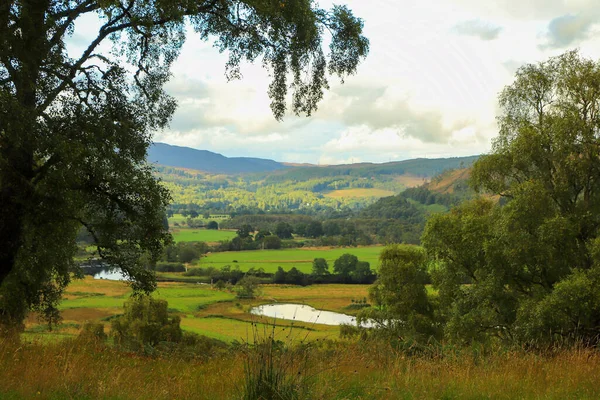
column 212, row 225
column 145, row 322
column 345, row 265
column 320, row 267
column 400, row 292
column 272, row 242
column 247, row 287
column 284, row 230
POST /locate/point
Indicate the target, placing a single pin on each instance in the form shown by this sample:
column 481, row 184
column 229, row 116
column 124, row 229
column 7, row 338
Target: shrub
column 162, row 266
column 145, row 323
column 93, row 331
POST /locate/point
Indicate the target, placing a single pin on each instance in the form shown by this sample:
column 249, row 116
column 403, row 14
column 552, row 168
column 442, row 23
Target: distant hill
column 418, row 167
column 207, row 161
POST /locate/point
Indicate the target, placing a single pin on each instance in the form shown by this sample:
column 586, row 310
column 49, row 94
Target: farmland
column 210, row 312
column 301, row 258
column 202, row 235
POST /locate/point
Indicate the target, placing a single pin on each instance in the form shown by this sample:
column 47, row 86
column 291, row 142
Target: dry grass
column 71, row 370
column 410, row 180
column 359, row 193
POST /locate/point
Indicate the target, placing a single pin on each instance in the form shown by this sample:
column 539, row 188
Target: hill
column 418, row 167
column 207, row 161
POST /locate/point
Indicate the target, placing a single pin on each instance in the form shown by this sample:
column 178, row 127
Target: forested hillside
column 308, row 190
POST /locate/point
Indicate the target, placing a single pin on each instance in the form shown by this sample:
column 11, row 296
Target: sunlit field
column 301, row 258
column 211, row 312
column 201, row 235
column 368, row 192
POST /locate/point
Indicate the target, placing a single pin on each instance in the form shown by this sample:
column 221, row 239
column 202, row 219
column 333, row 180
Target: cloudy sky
column 427, row 89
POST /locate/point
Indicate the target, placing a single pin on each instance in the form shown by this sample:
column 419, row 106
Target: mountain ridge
column 210, row 162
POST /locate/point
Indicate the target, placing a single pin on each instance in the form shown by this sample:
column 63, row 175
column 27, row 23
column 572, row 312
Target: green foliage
column 399, row 293
column 247, row 287
column 345, row 265
column 284, row 230
column 145, row 322
column 169, row 267
column 214, row 225
column 93, row 331
column 320, row 267
column 529, row 260
column 272, row 242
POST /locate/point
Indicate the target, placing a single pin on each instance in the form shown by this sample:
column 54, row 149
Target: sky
column 428, row 87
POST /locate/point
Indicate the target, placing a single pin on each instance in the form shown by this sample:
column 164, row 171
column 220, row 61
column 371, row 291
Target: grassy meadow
column 300, row 258
column 201, row 235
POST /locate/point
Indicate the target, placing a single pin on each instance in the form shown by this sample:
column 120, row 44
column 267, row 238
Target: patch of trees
column 184, row 252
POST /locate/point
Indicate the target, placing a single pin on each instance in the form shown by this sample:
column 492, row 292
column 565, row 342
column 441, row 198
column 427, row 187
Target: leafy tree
column 74, row 129
column 314, row 229
column 284, row 230
column 261, row 234
column 400, row 292
column 145, row 322
column 320, row 267
column 245, row 231
column 247, row 287
column 272, row 242
column 345, row 265
column 280, row 275
column 533, row 251
column 212, row 225
column 362, row 273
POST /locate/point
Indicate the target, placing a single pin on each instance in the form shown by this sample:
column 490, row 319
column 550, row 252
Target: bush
column 247, row 287
column 162, row 266
column 93, row 331
column 145, row 323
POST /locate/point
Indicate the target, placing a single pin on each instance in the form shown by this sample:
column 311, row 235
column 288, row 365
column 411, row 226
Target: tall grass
column 324, row 370
column 273, row 368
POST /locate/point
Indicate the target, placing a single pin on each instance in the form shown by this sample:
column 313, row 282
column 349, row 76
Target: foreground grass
column 301, row 258
column 330, row 370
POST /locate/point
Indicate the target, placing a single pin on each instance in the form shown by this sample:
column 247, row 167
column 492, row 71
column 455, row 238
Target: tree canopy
column 529, row 259
column 74, row 128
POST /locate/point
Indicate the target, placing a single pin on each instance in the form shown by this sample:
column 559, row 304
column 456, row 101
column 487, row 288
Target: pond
column 305, row 313
column 112, row 274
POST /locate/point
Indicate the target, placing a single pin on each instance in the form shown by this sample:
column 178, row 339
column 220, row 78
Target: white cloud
column 478, row 28
column 569, row 29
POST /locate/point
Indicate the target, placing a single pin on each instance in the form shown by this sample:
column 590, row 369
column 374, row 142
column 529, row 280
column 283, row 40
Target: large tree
column 74, row 128
column 530, row 260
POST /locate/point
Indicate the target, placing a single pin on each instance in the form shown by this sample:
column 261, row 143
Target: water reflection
column 112, row 274
column 305, row 313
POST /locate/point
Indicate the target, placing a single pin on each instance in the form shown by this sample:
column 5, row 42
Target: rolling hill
column 207, row 161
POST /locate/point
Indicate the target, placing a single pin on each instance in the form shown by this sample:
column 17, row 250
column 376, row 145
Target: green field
column 201, row 235
column 214, row 313
column 302, row 259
